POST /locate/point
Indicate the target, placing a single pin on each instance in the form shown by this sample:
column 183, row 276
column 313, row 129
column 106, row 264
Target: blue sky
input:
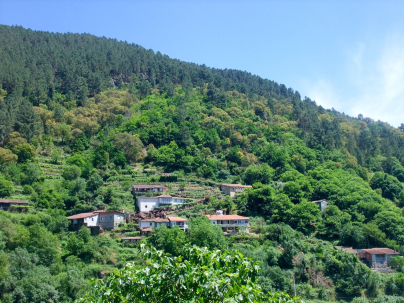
column 343, row 54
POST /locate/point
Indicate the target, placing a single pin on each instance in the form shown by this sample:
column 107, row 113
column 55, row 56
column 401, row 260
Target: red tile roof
column 226, row 217
column 82, row 216
column 381, row 251
column 13, row 201
column 177, row 219
column 109, row 212
column 235, row 185
column 158, row 220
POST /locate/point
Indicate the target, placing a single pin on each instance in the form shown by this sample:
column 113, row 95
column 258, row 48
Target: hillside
column 83, row 118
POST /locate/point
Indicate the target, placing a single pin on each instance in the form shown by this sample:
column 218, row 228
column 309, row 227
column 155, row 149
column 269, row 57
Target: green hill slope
column 82, row 118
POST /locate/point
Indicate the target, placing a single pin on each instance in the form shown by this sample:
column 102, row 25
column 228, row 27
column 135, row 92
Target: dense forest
column 82, row 118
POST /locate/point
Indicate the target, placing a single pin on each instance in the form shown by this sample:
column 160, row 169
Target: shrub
column 6, row 187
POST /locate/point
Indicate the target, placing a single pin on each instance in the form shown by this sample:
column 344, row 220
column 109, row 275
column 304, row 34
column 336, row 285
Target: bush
column 6, row 187
column 32, row 173
column 25, row 152
column 27, row 190
column 71, row 172
column 198, row 278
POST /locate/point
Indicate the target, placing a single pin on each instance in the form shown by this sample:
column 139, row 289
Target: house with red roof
column 230, row 222
column 379, row 257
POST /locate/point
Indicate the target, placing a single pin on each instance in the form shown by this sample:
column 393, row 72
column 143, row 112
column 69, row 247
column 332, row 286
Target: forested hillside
column 82, row 117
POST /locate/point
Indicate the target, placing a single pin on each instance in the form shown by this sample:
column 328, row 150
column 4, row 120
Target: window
column 151, row 224
column 92, row 219
column 110, row 217
column 145, row 206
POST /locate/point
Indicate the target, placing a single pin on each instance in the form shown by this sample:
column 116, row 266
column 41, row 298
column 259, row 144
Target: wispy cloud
column 373, row 83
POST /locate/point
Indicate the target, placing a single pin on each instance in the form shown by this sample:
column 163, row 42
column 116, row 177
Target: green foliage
column 199, row 276
column 7, row 157
column 170, row 240
column 304, row 216
column 203, row 233
column 71, row 172
column 258, row 173
column 94, row 182
column 390, row 186
column 32, row 174
column 210, row 124
column 56, row 156
column 6, row 187
column 25, row 152
column 266, row 201
column 129, row 145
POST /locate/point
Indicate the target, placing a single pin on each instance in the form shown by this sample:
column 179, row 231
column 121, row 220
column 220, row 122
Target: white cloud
column 323, row 93
column 373, row 83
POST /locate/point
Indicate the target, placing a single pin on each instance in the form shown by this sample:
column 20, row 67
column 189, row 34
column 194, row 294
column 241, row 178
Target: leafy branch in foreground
column 198, row 276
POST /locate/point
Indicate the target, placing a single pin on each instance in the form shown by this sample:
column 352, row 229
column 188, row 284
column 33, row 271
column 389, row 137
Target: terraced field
column 193, row 190
column 50, row 170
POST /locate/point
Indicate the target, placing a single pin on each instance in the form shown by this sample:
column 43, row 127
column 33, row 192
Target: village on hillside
column 155, row 208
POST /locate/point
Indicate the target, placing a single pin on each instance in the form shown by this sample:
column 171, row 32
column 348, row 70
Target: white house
column 105, row 219
column 178, row 221
column 170, row 222
column 233, row 189
column 230, row 222
column 86, row 219
column 147, row 204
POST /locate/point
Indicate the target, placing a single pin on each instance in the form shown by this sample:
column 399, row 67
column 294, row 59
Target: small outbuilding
column 379, row 257
column 232, row 189
column 322, row 204
column 6, row 204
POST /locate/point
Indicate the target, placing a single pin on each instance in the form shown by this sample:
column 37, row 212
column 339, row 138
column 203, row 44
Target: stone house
column 232, row 189
column 379, row 257
column 6, row 204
